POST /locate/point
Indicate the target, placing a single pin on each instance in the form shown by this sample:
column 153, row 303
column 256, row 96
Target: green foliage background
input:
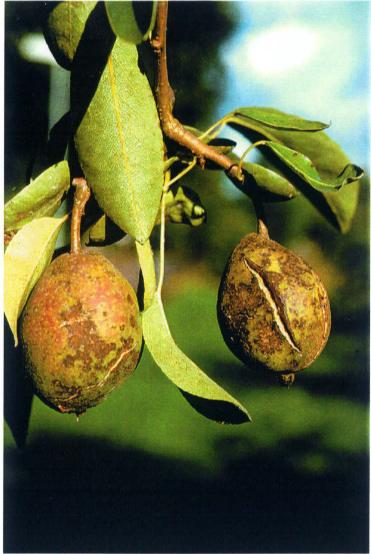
column 143, row 471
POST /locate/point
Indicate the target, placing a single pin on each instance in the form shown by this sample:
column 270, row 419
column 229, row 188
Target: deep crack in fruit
column 273, row 309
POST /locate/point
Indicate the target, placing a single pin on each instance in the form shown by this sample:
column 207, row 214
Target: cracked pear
column 81, row 332
column 273, row 310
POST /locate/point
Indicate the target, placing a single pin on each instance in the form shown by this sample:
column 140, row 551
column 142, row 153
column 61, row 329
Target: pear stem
column 260, row 216
column 82, row 195
column 262, row 229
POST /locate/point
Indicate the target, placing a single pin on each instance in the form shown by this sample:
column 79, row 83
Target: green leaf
column 25, row 259
column 329, row 159
column 42, row 197
column 123, row 21
column 119, row 142
column 269, row 185
column 303, row 166
column 349, row 174
column 203, row 393
column 343, row 204
column 274, row 185
column 64, row 27
column 277, row 120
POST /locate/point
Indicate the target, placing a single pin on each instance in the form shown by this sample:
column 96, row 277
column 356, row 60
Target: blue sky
column 304, row 57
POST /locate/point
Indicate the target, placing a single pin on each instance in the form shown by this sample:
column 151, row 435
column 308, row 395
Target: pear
column 81, row 332
column 273, row 309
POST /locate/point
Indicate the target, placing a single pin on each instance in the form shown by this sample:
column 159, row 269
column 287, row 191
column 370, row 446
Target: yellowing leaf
column 201, row 392
column 25, row 259
column 42, row 197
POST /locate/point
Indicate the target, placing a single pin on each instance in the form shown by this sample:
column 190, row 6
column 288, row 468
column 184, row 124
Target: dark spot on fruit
column 270, row 306
column 75, row 359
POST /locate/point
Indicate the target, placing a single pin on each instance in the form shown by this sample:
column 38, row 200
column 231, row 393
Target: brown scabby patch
column 81, row 335
column 273, row 310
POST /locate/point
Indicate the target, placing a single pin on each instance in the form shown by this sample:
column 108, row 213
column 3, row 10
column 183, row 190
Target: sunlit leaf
column 64, row 27
column 277, row 120
column 124, row 23
column 42, row 197
column 303, row 166
column 25, row 259
column 119, row 141
column 203, row 393
column 338, row 207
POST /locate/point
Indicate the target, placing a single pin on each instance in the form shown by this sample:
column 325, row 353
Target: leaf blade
column 119, row 144
column 25, row 259
column 64, row 27
column 338, row 207
column 302, row 166
column 124, row 24
column 270, row 182
column 41, row 198
column 198, row 388
column 122, row 20
column 277, row 120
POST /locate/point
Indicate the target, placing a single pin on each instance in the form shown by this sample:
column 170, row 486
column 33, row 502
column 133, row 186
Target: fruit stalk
column 262, row 229
column 82, row 195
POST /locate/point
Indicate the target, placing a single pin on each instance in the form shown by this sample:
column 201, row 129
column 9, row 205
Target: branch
column 165, row 102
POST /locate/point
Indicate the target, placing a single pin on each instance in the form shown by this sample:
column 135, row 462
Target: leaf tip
column 15, row 334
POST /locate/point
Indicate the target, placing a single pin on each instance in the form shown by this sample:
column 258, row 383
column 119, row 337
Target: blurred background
column 143, row 472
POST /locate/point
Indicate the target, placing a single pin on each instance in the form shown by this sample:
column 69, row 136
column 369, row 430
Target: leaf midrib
column 121, row 136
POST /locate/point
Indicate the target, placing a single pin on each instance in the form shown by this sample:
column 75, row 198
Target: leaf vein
column 120, row 131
